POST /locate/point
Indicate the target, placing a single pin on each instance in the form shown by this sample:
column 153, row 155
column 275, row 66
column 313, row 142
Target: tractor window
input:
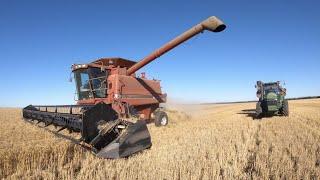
column 271, row 88
column 82, row 84
column 90, row 83
column 98, row 79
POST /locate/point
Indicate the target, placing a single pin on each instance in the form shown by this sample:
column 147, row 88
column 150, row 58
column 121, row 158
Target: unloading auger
column 114, row 104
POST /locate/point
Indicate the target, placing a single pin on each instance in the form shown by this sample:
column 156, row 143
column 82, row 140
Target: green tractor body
column 271, row 99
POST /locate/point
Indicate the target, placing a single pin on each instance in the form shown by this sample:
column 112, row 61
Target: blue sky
column 264, row 40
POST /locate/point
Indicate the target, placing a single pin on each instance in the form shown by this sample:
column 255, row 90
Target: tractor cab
column 271, row 88
column 264, row 89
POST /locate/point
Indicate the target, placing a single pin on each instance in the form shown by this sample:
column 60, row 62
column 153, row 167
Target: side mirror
column 70, row 78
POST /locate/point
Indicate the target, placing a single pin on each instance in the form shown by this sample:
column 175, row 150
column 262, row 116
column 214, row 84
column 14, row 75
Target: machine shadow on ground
column 252, row 113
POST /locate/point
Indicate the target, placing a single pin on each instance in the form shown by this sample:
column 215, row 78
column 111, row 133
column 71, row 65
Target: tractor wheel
column 259, row 110
column 161, row 118
column 285, row 108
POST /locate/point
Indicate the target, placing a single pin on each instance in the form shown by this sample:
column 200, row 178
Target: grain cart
column 271, row 99
column 114, row 103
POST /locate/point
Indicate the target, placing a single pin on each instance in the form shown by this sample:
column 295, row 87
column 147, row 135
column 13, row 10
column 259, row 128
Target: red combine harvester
column 113, row 103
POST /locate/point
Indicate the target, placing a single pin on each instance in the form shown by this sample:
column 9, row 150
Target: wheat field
column 200, row 142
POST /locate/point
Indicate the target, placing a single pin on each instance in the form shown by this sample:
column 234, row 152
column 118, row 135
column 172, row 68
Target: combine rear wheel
column 161, row 118
column 285, row 108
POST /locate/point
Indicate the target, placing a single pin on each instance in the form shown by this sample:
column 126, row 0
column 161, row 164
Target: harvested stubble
column 200, row 142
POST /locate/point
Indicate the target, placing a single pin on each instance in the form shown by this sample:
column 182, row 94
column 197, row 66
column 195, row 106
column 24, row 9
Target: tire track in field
column 250, row 168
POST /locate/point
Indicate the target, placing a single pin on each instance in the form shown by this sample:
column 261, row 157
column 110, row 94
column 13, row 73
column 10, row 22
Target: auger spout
column 212, row 24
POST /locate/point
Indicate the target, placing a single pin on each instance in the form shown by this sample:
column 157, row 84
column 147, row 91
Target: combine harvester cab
column 114, row 103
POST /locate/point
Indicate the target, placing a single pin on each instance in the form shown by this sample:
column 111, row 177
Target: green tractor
column 271, row 99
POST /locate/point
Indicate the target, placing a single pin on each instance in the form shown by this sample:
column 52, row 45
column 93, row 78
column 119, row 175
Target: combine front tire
column 285, row 108
column 161, row 118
